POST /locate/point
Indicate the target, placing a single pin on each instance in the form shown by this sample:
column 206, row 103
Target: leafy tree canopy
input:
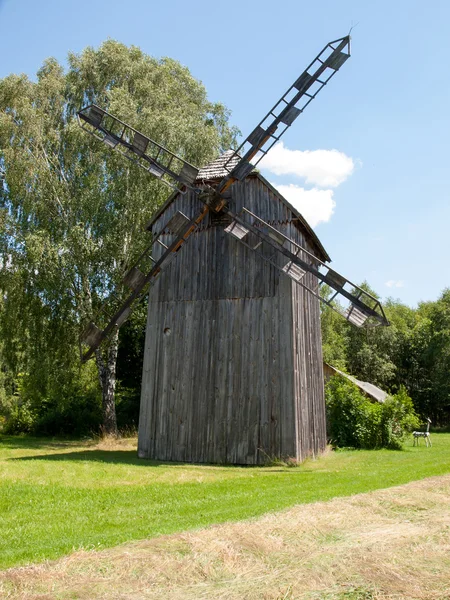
column 72, row 212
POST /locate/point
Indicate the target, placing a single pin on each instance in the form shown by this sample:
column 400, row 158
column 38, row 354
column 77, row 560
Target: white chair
column 423, row 434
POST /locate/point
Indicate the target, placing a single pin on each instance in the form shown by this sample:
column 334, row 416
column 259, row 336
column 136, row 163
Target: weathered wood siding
column 230, row 371
column 308, row 363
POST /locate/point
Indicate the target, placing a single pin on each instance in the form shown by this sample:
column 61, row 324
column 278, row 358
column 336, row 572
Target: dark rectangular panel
column 123, row 316
column 134, row 278
column 110, row 141
column 303, row 82
column 289, row 115
column 92, row 335
column 337, row 279
column 215, row 202
column 176, row 223
column 93, row 116
column 336, row 60
column 188, row 174
column 242, row 170
column 140, row 143
column 257, row 136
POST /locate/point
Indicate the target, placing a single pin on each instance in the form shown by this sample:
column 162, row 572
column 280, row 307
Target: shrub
column 69, row 404
column 398, row 419
column 19, row 419
column 17, row 411
column 78, row 415
column 127, row 407
column 354, row 421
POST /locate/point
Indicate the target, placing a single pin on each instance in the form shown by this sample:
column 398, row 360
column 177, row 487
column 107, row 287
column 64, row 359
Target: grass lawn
column 382, row 545
column 58, row 496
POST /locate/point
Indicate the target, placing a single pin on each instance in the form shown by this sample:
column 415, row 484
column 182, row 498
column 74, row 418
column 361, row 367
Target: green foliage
column 354, row 421
column 71, row 408
column 414, row 352
column 78, row 415
column 334, row 333
column 399, row 418
column 17, row 410
column 129, row 368
column 72, row 213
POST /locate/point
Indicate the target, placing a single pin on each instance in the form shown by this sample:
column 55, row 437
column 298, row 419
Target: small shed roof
column 215, row 171
column 367, row 388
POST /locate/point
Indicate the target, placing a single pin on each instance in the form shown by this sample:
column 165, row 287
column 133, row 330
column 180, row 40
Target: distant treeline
column 414, row 352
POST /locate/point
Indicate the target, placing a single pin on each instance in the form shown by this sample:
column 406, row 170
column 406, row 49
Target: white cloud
column 316, row 206
column 323, row 168
column 395, row 283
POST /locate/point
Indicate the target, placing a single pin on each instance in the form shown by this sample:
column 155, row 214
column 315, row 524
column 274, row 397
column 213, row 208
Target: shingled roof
column 215, row 169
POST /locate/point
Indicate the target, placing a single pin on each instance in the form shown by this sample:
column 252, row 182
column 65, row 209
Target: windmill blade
column 281, row 116
column 356, row 305
column 151, row 156
column 182, row 227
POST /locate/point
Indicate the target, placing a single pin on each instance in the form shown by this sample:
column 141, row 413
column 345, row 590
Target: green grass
column 56, row 497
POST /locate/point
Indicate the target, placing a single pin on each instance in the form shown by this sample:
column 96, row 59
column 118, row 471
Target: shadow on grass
column 128, row 457
column 19, row 442
column 111, row 456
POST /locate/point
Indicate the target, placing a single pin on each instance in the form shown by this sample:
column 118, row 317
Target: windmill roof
column 215, row 171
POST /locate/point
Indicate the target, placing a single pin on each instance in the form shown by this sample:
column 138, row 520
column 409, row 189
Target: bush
column 354, row 421
column 17, row 412
column 79, row 415
column 69, row 404
column 398, row 419
column 19, row 419
column 127, row 407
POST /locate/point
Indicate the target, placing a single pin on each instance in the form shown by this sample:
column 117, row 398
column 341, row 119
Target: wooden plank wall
column 217, row 387
column 308, row 363
column 229, row 374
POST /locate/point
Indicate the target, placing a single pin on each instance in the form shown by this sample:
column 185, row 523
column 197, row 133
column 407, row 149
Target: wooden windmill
column 233, row 359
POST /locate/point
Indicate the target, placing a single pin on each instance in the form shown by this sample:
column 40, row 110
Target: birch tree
column 72, row 211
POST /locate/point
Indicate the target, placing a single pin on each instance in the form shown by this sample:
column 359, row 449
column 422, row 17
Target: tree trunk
column 106, row 365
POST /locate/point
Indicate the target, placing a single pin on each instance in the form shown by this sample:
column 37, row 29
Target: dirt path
column 392, row 543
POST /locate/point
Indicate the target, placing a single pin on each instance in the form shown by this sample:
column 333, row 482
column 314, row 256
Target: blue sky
column 386, row 113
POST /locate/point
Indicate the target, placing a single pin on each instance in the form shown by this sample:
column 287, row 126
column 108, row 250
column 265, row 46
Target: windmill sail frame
column 363, row 309
column 290, row 106
column 138, row 148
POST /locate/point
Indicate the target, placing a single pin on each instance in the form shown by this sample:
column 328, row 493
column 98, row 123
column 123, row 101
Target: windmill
column 232, row 365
